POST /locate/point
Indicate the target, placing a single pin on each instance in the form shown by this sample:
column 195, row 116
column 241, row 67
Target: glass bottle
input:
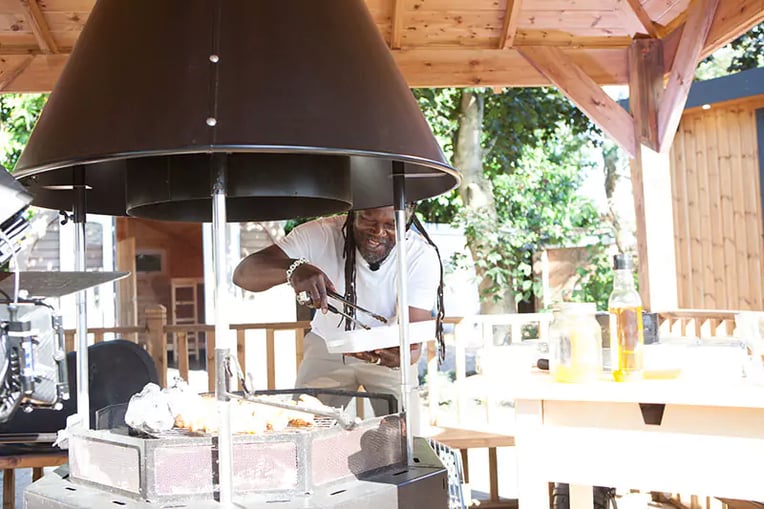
column 626, row 329
column 575, row 343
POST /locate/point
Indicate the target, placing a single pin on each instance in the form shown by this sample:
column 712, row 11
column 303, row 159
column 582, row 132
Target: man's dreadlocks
column 348, row 253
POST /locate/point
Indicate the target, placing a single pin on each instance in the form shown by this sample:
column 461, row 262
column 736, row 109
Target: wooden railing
column 696, row 323
column 488, row 332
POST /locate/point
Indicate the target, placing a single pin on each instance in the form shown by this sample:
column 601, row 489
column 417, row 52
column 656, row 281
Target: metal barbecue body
column 305, row 468
column 181, row 467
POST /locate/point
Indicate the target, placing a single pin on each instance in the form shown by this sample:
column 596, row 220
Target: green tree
column 745, row 52
column 748, row 50
column 520, row 153
column 18, row 115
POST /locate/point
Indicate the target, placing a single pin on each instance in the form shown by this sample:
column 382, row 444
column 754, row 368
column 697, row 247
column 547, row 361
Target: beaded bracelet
column 291, row 269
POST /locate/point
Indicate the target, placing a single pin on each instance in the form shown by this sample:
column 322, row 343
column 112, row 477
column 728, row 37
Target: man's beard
column 376, row 254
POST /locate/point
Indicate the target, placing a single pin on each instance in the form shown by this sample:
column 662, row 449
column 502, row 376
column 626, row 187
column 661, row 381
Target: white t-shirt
column 321, row 242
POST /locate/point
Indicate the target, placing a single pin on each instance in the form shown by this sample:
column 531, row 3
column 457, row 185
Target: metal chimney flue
column 302, row 97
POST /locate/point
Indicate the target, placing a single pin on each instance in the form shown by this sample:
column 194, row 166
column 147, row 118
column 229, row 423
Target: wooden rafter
column 10, row 76
column 643, row 17
column 511, row 18
column 40, row 28
column 688, row 52
column 731, row 20
column 582, row 90
column 397, row 24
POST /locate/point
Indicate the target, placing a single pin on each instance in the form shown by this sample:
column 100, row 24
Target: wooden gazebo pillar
column 645, row 133
column 656, row 111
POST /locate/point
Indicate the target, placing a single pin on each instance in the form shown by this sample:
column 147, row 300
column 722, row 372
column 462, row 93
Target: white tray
column 363, row 340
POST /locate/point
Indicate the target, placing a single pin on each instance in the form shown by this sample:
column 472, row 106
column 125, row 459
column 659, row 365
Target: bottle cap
column 623, row 261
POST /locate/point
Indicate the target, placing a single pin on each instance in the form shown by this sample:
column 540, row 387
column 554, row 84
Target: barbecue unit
column 245, row 133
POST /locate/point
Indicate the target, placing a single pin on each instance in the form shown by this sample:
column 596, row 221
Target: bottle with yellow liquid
column 626, row 329
column 575, row 343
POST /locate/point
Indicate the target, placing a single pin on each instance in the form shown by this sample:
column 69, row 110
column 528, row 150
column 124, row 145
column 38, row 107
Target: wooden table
column 658, row 435
column 35, row 461
column 465, row 439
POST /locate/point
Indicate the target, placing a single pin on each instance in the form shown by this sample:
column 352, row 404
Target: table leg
column 9, row 488
column 493, row 474
column 533, row 488
column 581, row 496
column 465, row 464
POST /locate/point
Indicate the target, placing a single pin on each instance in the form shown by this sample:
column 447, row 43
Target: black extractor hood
column 300, row 102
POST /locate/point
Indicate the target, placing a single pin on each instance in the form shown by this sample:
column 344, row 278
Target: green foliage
column 537, row 205
column 745, row 52
column 595, row 280
column 748, row 49
column 518, row 118
column 534, row 141
column 18, row 114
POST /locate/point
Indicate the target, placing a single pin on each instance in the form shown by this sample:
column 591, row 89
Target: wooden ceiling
column 435, row 42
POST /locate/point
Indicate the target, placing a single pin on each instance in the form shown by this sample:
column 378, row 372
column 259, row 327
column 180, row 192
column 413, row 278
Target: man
column 323, row 255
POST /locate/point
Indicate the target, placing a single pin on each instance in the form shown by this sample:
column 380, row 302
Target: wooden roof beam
column 30, row 73
column 499, row 68
column 582, row 90
column 694, row 35
column 511, row 19
column 9, row 76
column 40, row 28
column 643, row 18
column 731, row 20
column 397, row 25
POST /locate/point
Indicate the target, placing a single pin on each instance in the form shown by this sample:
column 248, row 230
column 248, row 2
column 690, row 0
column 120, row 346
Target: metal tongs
column 304, row 299
column 338, row 414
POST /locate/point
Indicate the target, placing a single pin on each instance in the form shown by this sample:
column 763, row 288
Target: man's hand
column 388, row 357
column 312, row 280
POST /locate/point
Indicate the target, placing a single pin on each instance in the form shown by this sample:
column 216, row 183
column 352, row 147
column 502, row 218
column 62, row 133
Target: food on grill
column 155, row 410
column 247, row 417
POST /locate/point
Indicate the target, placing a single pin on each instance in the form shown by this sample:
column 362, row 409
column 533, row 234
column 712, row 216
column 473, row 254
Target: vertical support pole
column 651, row 174
column 399, row 205
column 225, row 341
column 83, row 383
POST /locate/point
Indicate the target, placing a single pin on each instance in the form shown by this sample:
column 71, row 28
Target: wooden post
column 270, row 355
column 156, row 320
column 127, row 301
column 646, row 88
column 241, row 347
column 651, row 182
column 69, row 341
column 299, row 336
column 182, row 353
column 9, row 488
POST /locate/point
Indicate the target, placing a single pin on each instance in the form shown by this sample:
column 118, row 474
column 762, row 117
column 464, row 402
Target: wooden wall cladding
column 718, row 218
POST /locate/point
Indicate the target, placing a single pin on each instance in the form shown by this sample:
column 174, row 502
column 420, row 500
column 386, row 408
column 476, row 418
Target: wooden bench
column 465, row 439
column 35, row 461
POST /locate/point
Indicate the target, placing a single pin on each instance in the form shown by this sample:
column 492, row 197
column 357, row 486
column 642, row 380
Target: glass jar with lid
column 575, row 343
